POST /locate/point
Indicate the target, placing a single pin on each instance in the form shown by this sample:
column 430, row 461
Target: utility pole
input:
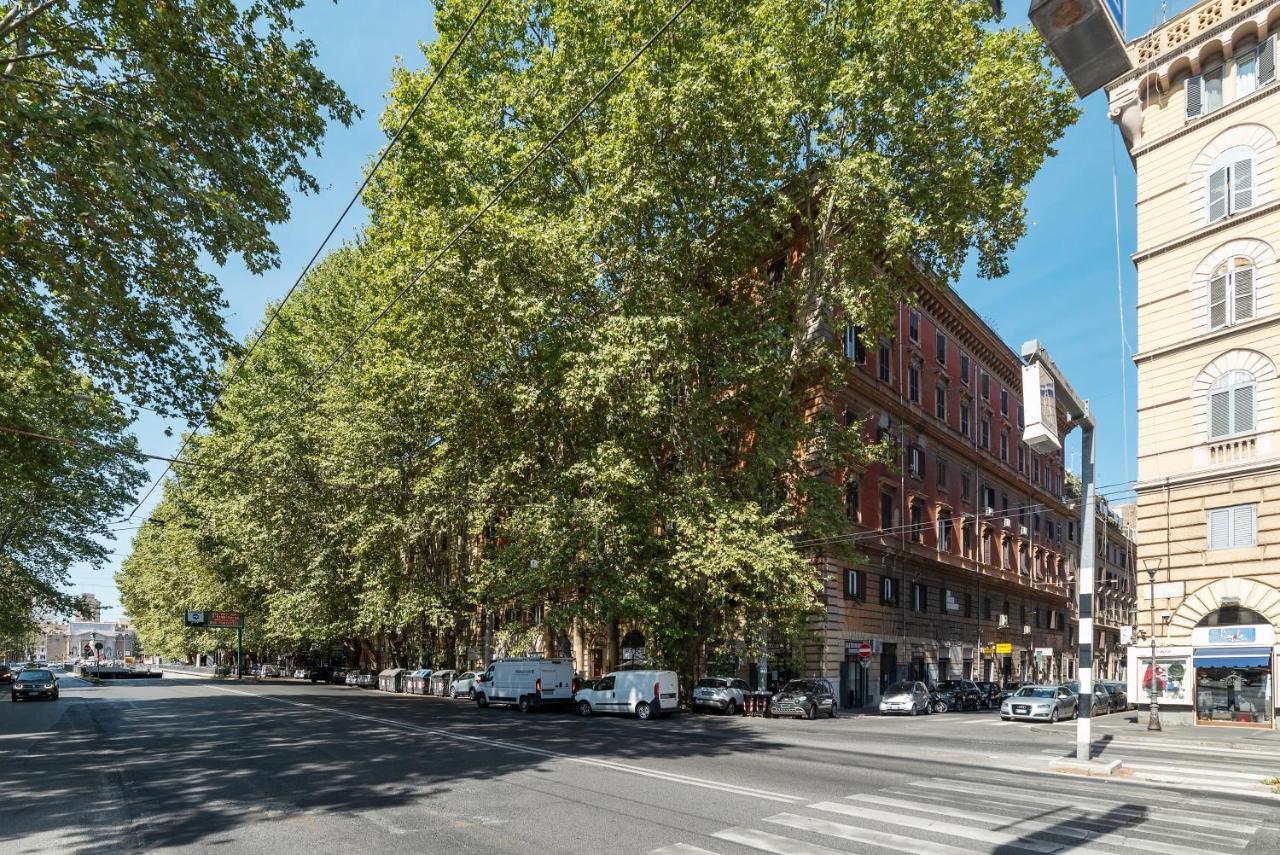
column 1153, row 720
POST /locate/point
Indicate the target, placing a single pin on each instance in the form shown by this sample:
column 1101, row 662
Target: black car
column 992, row 694
column 958, row 695
column 34, row 683
column 807, row 697
column 338, row 677
column 319, row 673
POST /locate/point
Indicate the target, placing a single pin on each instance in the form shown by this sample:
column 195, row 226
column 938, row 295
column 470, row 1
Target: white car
column 644, row 694
column 909, row 697
column 464, row 685
column 725, row 694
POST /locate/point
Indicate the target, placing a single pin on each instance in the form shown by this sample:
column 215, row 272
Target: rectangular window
column 913, row 383
column 915, row 461
column 1004, row 402
column 1022, row 458
column 1021, row 417
column 917, row 522
column 964, row 368
column 1213, row 89
column 1036, row 615
column 884, row 363
column 965, row 485
column 853, row 584
column 1022, row 611
column 940, row 344
column 919, row 597
column 940, row 464
column 968, row 605
column 886, row 509
column 1035, row 467
column 913, row 326
column 1246, row 72
column 888, row 591
column 964, row 418
column 966, row 545
column 985, row 383
column 986, row 608
column 989, row 499
column 986, row 433
column 1233, row 527
column 1004, row 446
column 852, row 509
column 940, row 401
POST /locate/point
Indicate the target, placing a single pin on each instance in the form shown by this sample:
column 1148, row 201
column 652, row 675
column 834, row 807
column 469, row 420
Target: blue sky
column 1061, row 287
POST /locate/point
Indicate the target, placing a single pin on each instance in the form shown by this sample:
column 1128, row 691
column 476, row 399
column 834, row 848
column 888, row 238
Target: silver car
column 909, row 696
column 724, row 694
column 1041, row 703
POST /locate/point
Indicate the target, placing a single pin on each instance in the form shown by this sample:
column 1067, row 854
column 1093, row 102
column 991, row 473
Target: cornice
column 1207, row 338
column 1209, row 476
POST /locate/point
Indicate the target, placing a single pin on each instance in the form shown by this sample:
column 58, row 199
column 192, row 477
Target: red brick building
column 966, row 548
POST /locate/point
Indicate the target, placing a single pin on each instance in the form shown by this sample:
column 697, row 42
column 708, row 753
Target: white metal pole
column 1085, row 592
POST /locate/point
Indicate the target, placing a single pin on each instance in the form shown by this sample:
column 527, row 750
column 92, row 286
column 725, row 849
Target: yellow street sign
column 1004, row 647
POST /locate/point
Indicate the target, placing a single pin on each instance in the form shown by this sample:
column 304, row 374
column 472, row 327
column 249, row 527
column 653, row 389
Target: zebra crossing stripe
column 1077, row 827
column 681, row 849
column 1197, row 827
column 986, row 835
column 774, row 843
column 881, row 839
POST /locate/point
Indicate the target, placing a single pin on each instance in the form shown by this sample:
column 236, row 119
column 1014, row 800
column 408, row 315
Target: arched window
column 1231, row 399
column 1230, row 187
column 1231, row 293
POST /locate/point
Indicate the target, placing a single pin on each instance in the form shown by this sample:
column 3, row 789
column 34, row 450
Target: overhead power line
column 275, row 312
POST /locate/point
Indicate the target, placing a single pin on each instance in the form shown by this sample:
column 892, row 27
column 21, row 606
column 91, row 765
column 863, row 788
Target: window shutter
column 1243, row 409
column 1267, row 61
column 1218, row 301
column 1242, row 281
column 1219, row 414
column 1217, row 194
column 1242, row 185
column 1195, row 100
column 1244, row 525
column 848, row 341
column 1219, row 528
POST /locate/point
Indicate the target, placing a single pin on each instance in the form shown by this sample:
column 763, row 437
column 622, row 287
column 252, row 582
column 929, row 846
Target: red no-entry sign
column 864, row 650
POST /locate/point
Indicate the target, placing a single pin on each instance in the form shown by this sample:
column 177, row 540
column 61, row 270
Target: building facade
column 1199, row 114
column 1116, row 604
column 964, row 547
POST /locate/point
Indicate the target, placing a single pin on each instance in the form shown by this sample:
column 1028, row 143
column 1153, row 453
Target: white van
column 644, row 694
column 528, row 682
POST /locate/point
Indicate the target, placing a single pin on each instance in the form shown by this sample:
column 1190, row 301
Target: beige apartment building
column 1200, row 114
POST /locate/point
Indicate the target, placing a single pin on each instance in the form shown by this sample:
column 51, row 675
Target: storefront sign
column 1256, row 635
column 1044, row 652
column 1004, row 648
column 1172, row 677
column 1233, row 635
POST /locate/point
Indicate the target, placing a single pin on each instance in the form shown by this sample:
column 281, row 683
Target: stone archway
column 1245, row 593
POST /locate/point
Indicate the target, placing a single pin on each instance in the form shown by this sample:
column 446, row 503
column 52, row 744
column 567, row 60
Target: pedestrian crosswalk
column 1042, row 815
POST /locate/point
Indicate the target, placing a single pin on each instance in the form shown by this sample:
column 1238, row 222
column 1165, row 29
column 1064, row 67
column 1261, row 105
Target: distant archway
column 1241, row 595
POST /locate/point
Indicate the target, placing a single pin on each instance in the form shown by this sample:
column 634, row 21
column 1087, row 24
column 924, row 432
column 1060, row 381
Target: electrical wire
column 275, row 311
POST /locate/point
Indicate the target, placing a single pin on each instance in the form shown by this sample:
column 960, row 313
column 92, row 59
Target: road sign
column 215, row 620
column 864, row 650
column 1004, row 647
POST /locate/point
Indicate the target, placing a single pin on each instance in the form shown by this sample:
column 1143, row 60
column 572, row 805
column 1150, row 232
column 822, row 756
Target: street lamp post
column 1153, row 721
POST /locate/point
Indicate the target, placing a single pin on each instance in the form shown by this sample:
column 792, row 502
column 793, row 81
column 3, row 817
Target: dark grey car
column 809, row 698
column 1119, row 696
column 34, row 683
column 1101, row 697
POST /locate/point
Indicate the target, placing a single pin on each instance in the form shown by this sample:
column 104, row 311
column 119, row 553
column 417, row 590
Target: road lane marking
column 774, row 843
column 681, row 849
column 640, row 771
column 864, row 835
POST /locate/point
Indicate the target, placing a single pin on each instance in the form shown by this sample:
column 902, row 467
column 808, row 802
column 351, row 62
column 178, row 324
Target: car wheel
column 915, row 711
column 525, row 706
column 731, row 708
column 940, row 706
column 831, row 713
column 1053, row 716
column 471, row 694
column 482, row 701
column 1075, row 713
column 584, row 709
column 643, row 711
column 1005, row 718
column 811, row 712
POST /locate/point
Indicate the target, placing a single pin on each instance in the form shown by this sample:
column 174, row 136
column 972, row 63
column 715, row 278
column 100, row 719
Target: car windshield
column 712, row 683
column 802, row 686
column 950, row 684
column 900, row 689
column 33, row 674
column 1035, row 692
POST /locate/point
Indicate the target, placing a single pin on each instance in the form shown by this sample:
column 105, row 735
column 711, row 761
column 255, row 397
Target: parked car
column 807, row 697
column 270, row 671
column 1101, row 697
column 908, row 696
column 6, row 676
column 338, row 677
column 1010, row 687
column 1041, row 702
column 441, row 683
column 319, row 673
column 367, row 680
column 957, row 695
column 353, row 677
column 1119, row 696
column 464, row 685
column 34, row 683
column 644, row 694
column 726, row 694
column 526, row 682
column 992, row 695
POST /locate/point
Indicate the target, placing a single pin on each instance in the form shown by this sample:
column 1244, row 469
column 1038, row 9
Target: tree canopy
column 609, row 401
column 138, row 140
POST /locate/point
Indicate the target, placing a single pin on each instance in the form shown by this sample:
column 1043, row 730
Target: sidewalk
column 1133, row 726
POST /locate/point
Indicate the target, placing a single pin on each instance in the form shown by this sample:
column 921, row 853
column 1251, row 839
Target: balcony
column 1233, row 450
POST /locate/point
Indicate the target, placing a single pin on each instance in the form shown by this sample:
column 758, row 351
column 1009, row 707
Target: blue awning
column 1237, row 657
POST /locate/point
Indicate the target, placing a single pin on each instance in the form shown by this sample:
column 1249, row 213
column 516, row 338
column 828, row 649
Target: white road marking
column 775, row 843
column 881, row 839
column 681, row 849
column 671, row 777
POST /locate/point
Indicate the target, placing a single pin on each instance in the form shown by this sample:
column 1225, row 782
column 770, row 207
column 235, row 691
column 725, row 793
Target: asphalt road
column 193, row 765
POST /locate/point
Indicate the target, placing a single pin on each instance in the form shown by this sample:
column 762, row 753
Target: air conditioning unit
column 1022, row 530
column 989, row 512
column 1006, row 522
column 1003, row 621
column 1026, row 630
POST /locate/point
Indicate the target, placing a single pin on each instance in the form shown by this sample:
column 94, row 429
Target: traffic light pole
column 239, row 652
